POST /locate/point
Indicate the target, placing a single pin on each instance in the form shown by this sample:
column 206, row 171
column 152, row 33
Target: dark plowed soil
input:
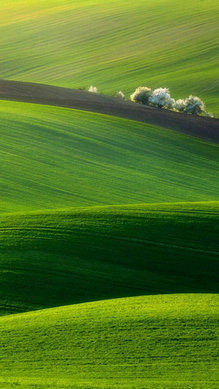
column 206, row 128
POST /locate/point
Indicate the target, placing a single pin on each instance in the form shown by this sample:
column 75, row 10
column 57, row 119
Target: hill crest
column 206, row 128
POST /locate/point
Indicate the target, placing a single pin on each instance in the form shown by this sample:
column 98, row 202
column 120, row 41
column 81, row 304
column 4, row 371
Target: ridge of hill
column 203, row 127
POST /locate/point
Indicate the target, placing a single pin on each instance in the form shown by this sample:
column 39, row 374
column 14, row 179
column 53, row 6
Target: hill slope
column 145, row 342
column 113, row 44
column 54, row 157
column 76, row 255
column 203, row 127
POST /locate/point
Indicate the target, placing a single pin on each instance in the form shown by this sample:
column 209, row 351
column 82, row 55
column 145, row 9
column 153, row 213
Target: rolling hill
column 53, row 258
column 144, row 275
column 200, row 126
column 143, row 342
column 113, row 44
column 109, row 211
column 53, row 157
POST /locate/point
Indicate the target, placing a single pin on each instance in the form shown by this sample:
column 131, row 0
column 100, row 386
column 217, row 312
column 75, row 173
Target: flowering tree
column 180, row 105
column 120, row 95
column 93, row 89
column 161, row 98
column 141, row 95
column 194, row 105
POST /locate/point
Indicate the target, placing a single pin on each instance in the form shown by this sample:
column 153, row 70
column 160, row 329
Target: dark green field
column 69, row 256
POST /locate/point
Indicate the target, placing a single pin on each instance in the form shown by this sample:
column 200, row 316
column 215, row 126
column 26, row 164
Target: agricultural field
column 113, row 44
column 71, row 158
column 53, row 258
column 150, row 342
column 109, row 209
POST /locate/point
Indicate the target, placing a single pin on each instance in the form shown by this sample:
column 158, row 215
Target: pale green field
column 54, row 157
column 155, row 342
column 113, row 44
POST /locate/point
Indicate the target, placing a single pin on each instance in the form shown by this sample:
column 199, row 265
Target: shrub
column 194, row 105
column 141, row 95
column 161, row 98
column 180, row 105
column 93, row 89
column 120, row 95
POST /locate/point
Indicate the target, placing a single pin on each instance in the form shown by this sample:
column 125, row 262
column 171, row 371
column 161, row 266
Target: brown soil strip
column 206, row 128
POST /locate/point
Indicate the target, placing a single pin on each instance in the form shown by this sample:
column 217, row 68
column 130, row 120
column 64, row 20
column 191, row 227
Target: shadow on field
column 54, row 259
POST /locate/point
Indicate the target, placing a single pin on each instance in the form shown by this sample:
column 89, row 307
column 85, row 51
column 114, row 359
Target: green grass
column 113, row 44
column 54, row 157
column 66, row 236
column 68, row 256
column 155, row 342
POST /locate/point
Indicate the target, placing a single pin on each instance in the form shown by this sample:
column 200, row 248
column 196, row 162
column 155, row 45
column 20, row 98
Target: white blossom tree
column 194, row 105
column 93, row 89
column 161, row 98
column 120, row 95
column 141, row 95
column 180, row 105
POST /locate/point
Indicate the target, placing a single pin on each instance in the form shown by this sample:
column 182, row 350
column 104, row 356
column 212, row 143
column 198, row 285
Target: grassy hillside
column 68, row 256
column 108, row 226
column 54, row 157
column 113, row 44
column 145, row 342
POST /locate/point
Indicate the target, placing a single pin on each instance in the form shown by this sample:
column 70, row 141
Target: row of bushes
column 119, row 94
column 161, row 98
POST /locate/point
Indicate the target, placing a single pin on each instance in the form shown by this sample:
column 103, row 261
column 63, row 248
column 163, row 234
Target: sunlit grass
column 142, row 342
column 54, row 157
column 113, row 45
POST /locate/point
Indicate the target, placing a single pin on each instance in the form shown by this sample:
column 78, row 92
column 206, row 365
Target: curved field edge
column 53, row 157
column 201, row 127
column 51, row 258
column 151, row 341
column 157, row 43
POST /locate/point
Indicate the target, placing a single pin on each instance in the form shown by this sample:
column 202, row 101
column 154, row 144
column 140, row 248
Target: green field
column 108, row 227
column 54, row 157
column 155, row 342
column 68, row 256
column 58, row 249
column 113, row 44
